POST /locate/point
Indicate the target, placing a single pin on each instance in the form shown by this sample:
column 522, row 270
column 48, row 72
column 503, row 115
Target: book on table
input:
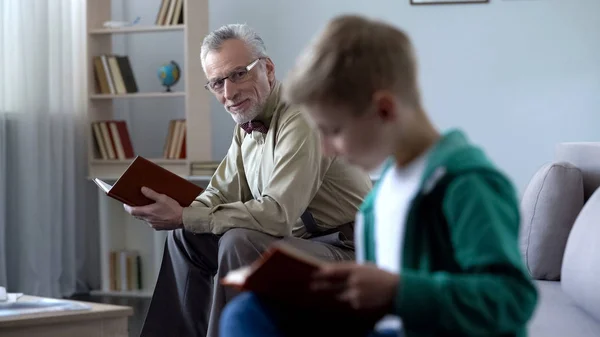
column 38, row 306
column 143, row 172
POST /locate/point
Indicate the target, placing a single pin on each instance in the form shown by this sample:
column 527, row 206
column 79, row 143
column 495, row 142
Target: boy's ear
column 386, row 105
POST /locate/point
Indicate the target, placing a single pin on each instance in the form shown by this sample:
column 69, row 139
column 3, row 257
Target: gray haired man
column 274, row 184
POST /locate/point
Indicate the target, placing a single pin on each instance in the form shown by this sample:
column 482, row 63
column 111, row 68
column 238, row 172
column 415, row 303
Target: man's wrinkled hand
column 362, row 287
column 164, row 214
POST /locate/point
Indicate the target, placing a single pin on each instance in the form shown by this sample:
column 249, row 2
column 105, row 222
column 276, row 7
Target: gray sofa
column 560, row 242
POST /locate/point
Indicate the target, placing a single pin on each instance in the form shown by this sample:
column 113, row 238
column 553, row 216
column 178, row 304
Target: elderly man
column 274, row 184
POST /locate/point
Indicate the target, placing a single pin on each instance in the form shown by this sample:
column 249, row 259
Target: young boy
column 437, row 247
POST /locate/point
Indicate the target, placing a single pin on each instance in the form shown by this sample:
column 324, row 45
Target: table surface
column 98, row 311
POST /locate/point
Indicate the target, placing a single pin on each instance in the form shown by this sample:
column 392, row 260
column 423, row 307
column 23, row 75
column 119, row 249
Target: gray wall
column 519, row 76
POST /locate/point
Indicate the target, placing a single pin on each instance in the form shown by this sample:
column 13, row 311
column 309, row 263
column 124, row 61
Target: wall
column 519, row 76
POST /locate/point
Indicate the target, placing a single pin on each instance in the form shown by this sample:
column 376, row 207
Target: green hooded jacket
column 461, row 272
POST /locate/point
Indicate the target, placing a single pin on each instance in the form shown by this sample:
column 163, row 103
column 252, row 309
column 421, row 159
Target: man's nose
column 229, row 90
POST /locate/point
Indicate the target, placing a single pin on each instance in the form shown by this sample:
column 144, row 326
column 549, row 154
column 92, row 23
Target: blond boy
column 437, row 248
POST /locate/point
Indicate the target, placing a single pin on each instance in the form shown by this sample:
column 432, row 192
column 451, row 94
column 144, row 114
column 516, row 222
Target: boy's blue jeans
column 250, row 316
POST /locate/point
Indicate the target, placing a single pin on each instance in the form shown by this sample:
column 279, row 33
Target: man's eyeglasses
column 237, row 76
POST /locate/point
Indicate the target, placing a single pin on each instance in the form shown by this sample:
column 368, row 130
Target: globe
column 169, row 74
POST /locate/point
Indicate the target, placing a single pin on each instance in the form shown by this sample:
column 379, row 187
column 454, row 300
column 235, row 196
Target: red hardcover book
column 283, row 273
column 143, row 172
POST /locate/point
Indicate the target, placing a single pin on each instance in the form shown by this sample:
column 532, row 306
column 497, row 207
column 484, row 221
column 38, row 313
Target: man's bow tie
column 254, row 126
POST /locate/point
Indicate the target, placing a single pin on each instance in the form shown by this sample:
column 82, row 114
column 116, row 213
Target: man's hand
column 164, row 214
column 363, row 287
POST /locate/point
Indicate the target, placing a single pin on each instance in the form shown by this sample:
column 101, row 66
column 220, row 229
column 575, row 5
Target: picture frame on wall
column 447, row 2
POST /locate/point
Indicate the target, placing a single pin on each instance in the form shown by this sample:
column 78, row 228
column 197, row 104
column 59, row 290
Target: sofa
column 560, row 242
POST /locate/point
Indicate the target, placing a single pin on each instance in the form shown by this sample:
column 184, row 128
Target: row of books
column 204, row 168
column 170, row 13
column 112, row 140
column 175, row 147
column 114, row 75
column 125, row 270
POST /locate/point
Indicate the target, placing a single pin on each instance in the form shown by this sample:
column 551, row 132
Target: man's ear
column 386, row 104
column 270, row 66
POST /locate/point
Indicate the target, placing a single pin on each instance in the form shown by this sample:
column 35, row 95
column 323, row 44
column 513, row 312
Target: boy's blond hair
column 352, row 59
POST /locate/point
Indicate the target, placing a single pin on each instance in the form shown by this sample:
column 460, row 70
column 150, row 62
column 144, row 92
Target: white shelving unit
column 139, row 95
column 118, row 230
column 136, row 29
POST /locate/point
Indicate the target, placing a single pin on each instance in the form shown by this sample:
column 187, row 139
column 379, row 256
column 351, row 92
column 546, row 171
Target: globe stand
column 168, row 88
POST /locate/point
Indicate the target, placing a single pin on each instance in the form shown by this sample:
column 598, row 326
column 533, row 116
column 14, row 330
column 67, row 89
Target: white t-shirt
column 397, row 189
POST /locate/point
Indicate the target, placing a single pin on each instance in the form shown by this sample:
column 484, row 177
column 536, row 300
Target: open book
column 283, row 273
column 268, row 269
column 142, row 172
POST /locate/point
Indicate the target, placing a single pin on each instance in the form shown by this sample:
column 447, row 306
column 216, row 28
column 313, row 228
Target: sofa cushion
column 581, row 264
column 557, row 315
column 586, row 156
column 549, row 207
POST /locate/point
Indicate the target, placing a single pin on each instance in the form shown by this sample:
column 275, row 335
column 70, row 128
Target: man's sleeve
column 493, row 295
column 296, row 177
column 227, row 184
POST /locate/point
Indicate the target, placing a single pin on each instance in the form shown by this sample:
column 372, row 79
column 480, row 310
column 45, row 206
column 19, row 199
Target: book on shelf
column 170, row 13
column 114, row 75
column 112, row 140
column 175, row 144
column 285, row 273
column 143, row 172
column 204, row 168
column 125, row 270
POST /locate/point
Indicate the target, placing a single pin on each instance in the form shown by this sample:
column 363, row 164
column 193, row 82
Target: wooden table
column 102, row 320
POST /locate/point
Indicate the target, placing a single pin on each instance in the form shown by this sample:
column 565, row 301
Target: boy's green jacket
column 462, row 273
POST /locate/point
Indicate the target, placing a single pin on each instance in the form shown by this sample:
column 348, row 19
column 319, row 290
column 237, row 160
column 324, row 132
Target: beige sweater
column 267, row 181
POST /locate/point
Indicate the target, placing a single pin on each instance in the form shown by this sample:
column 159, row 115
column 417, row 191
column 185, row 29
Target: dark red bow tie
column 254, row 126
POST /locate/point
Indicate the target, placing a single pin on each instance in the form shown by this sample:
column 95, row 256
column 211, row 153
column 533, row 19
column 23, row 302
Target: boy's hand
column 363, row 287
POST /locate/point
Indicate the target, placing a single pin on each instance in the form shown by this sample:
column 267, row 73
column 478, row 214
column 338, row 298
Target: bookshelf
column 118, row 230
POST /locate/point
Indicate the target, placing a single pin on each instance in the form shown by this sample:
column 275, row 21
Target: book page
column 237, row 276
column 103, row 186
